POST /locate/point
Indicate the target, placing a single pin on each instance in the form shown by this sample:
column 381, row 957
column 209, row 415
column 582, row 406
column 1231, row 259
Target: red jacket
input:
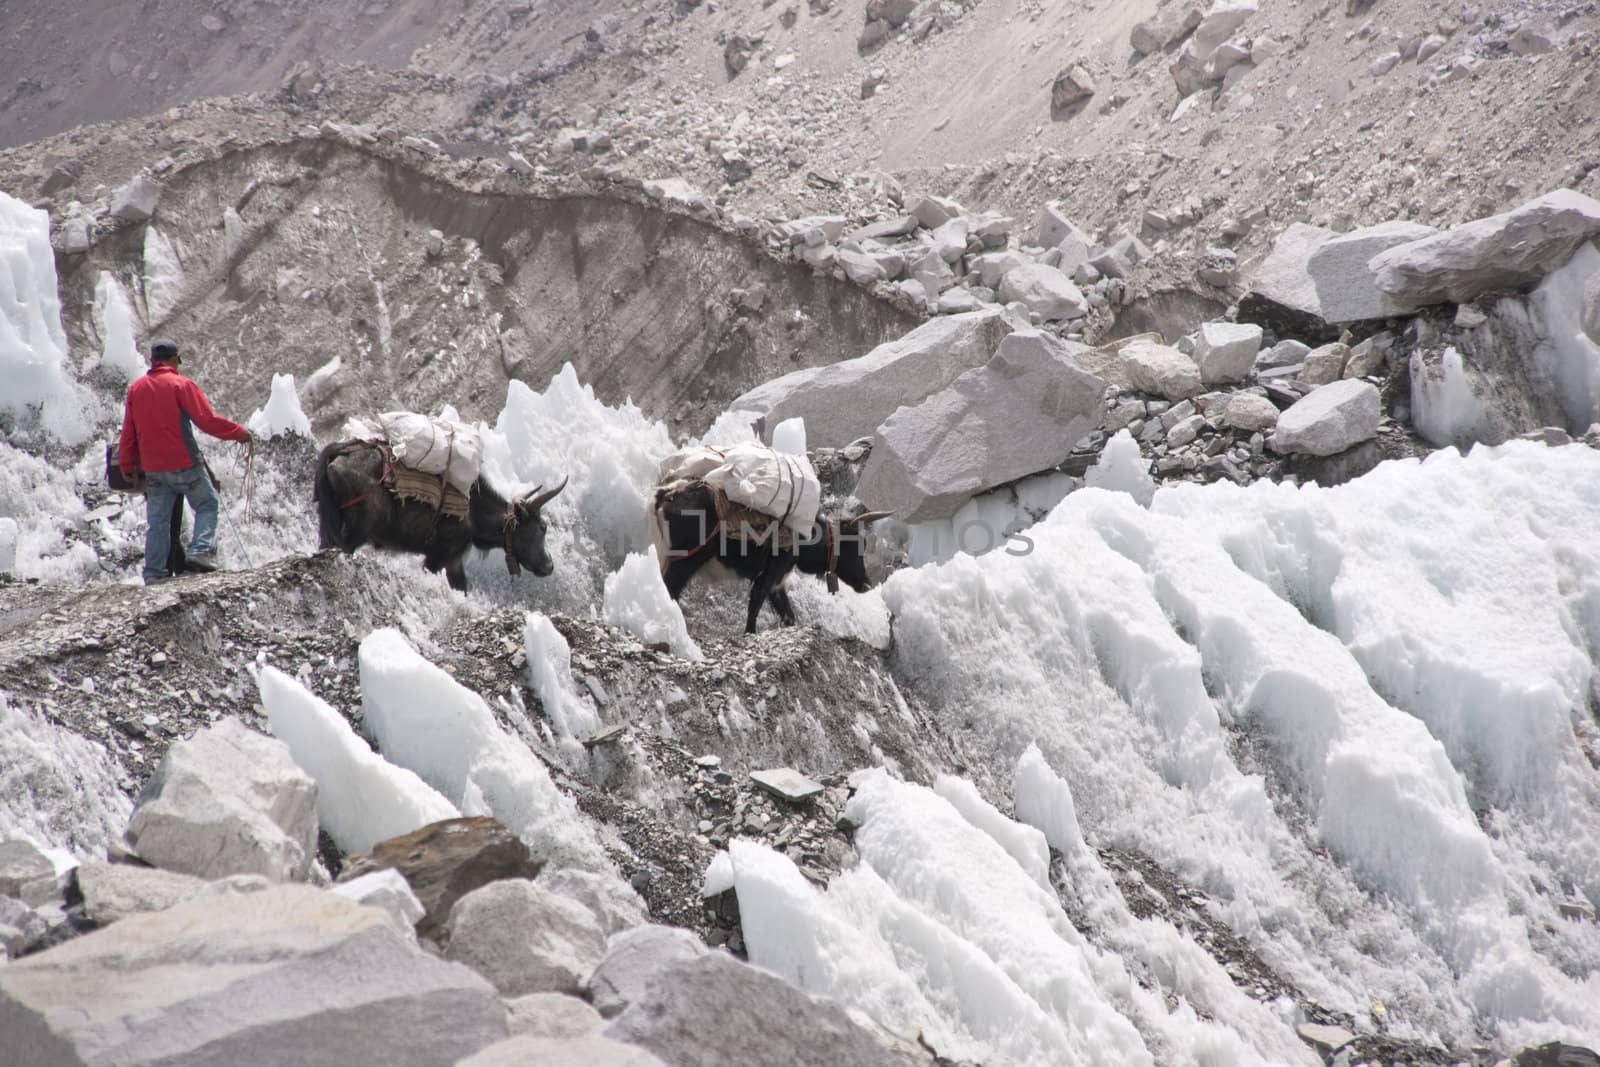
column 156, row 423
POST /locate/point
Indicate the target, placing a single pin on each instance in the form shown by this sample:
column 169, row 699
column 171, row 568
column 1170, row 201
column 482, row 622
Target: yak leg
column 779, row 599
column 770, row 578
column 678, row 573
column 455, row 572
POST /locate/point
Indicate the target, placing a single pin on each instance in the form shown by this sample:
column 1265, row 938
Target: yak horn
column 871, row 516
column 541, row 496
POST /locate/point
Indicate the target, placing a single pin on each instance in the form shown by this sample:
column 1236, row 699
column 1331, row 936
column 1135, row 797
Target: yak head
column 525, row 529
column 849, row 550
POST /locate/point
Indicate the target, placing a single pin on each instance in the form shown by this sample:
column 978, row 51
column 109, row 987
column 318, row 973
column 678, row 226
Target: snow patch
column 1123, row 468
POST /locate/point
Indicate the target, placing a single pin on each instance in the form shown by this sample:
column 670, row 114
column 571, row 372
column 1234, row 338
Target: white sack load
column 773, row 483
column 429, row 444
column 690, row 464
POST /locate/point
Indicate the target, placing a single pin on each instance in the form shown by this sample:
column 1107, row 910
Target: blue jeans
column 162, row 490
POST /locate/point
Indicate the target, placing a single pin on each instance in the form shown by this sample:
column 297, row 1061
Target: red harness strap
column 381, row 483
column 697, row 549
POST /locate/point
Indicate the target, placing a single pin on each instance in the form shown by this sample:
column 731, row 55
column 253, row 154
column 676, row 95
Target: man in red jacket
column 158, row 438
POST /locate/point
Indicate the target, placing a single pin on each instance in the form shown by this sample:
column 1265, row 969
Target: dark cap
column 163, row 348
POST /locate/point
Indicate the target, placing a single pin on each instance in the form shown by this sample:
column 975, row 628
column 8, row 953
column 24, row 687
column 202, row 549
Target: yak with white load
column 410, row 483
column 755, row 512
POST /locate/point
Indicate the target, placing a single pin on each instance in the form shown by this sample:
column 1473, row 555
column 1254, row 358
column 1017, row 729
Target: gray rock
column 1225, row 352
column 1282, row 354
column 1509, row 251
column 714, row 1011
column 1044, row 290
column 1328, row 420
column 896, row 227
column 1325, row 1039
column 813, row 230
column 1429, row 47
column 1346, row 289
column 1383, row 64
column 894, row 12
column 850, row 399
column 112, row 891
column 1161, row 370
column 1325, row 364
column 1369, row 357
column 1529, row 40
column 786, row 783
column 1052, row 227
column 1283, row 277
column 77, row 235
column 993, row 230
column 551, row 1015
column 933, row 211
column 21, row 928
column 287, row 976
column 526, row 939
column 993, row 266
column 227, row 801
column 633, row 960
column 950, row 240
column 958, row 301
column 589, row 1050
column 1018, row 415
column 136, row 201
column 1071, row 86
column 26, row 873
column 1186, row 431
column 860, row 267
column 1249, row 413
column 613, row 902
column 388, row 891
column 1160, row 33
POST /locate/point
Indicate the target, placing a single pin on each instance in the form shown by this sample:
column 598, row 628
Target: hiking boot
column 204, row 562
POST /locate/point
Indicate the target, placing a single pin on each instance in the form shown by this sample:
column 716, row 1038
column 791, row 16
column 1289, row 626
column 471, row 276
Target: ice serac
column 33, row 344
column 361, row 797
column 1123, row 468
column 1017, row 415
column 279, row 978
column 1330, row 419
column 848, row 400
column 426, row 721
column 526, row 939
column 227, row 801
column 1509, row 251
column 717, row 1012
column 282, row 413
column 1347, row 289
column 636, row 599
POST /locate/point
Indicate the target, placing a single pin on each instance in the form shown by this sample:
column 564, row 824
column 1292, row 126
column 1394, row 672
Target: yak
column 356, row 507
column 689, row 534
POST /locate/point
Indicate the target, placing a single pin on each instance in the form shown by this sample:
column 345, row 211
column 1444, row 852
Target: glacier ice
column 57, row 789
column 361, row 797
column 1122, row 466
column 282, row 413
column 426, row 721
column 550, row 678
column 33, row 346
column 113, row 314
column 636, row 600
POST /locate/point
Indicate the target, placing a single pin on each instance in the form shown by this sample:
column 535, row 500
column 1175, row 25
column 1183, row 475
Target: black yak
column 355, row 508
column 690, row 534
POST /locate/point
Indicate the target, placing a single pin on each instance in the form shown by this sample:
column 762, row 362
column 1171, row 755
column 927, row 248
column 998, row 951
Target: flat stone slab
column 786, row 783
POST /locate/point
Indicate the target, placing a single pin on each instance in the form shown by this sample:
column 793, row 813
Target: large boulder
column 279, row 978
column 227, row 801
column 1280, row 293
column 526, row 939
column 1346, row 288
column 713, row 1011
column 845, row 401
column 444, row 861
column 1017, row 415
column 590, row 1050
column 1043, row 290
column 389, row 892
column 633, row 960
column 1509, row 251
column 1328, row 420
column 107, row 892
column 1225, row 352
column 1590, row 318
column 1160, row 369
